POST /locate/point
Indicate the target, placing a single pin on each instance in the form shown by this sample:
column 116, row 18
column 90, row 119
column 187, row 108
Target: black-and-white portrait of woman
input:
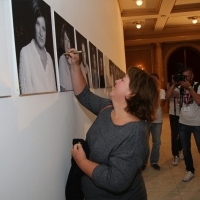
column 101, row 69
column 94, row 66
column 64, row 41
column 107, row 71
column 34, row 46
column 111, row 68
column 82, row 46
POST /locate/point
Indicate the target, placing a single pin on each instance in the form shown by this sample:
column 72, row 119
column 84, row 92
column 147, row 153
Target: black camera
column 177, row 77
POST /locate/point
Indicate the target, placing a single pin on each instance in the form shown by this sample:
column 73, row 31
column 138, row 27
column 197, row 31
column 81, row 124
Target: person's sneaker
column 189, row 175
column 156, row 166
column 181, row 157
column 175, row 161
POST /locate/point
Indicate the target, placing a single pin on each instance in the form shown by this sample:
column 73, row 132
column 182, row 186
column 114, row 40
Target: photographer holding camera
column 189, row 122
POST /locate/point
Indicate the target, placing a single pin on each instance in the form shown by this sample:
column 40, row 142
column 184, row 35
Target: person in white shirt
column 84, row 66
column 189, row 116
column 155, row 129
column 64, row 67
column 36, row 70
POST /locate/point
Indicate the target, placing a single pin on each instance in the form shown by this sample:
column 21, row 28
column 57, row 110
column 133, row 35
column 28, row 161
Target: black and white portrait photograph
column 65, row 41
column 101, row 69
column 94, row 66
column 82, row 46
column 107, row 71
column 5, row 79
column 115, row 73
column 111, row 68
column 34, row 46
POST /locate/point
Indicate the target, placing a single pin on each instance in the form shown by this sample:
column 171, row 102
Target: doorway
column 186, row 57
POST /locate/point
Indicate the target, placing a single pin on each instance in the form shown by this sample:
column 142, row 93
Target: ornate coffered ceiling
column 163, row 21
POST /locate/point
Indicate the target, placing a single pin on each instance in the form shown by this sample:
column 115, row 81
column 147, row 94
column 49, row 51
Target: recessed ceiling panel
column 131, row 4
column 147, row 25
column 180, row 2
column 177, row 21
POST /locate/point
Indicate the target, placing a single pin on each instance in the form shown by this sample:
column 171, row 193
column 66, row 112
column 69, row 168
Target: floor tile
column 167, row 183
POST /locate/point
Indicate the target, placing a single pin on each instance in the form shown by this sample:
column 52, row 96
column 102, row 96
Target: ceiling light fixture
column 194, row 19
column 139, row 2
column 138, row 24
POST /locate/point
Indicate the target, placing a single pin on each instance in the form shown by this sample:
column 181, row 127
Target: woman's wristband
column 189, row 88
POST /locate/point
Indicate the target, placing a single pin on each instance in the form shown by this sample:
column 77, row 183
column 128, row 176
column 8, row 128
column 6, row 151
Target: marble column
column 158, row 63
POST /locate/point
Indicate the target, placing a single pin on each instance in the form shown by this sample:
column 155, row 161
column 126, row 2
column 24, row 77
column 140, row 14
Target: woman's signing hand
column 72, row 58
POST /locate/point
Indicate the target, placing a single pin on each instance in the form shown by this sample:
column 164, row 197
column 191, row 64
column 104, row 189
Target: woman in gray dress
column 118, row 138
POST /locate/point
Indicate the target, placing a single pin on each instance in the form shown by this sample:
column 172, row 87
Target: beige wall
column 140, row 56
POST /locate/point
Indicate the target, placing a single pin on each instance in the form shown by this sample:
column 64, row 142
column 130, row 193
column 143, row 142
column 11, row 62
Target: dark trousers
column 175, row 139
column 185, row 135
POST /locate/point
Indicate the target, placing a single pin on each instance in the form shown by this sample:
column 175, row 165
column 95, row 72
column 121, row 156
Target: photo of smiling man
column 36, row 68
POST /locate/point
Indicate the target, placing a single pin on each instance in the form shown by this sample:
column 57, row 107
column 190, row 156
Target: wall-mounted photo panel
column 107, row 72
column 82, row 46
column 114, row 73
column 64, row 41
column 117, row 74
column 120, row 73
column 111, row 68
column 5, row 82
column 34, row 46
column 94, row 66
column 101, row 69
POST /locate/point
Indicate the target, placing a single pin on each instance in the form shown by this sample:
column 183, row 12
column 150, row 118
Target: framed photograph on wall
column 82, row 46
column 101, row 69
column 93, row 65
column 111, row 70
column 5, row 80
column 34, row 46
column 64, row 41
column 107, row 72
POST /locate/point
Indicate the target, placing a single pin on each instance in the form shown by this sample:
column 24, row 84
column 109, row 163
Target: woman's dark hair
column 145, row 92
column 38, row 11
column 62, row 35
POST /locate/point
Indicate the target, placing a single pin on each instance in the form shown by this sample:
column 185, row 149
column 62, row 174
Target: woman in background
column 95, row 78
column 118, row 138
column 84, row 66
column 36, row 70
column 64, row 67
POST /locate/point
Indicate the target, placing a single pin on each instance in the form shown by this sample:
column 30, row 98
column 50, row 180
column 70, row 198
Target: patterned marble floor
column 167, row 183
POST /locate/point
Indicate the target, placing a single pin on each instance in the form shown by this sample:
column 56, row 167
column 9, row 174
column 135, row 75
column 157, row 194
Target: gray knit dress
column 120, row 150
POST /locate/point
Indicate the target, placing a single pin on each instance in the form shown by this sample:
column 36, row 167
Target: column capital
column 157, row 44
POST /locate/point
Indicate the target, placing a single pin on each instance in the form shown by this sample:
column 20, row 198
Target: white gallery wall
column 36, row 131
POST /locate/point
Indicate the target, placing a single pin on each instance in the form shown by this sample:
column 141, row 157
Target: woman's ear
column 130, row 95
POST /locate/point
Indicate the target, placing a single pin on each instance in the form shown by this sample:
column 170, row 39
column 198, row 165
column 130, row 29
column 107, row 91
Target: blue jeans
column 185, row 132
column 155, row 129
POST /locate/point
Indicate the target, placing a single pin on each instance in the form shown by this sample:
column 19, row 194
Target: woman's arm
column 84, row 164
column 78, row 79
column 171, row 92
column 194, row 94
